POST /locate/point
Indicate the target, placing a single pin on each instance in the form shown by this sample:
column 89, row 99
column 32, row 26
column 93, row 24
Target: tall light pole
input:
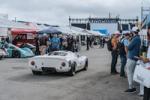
column 15, row 19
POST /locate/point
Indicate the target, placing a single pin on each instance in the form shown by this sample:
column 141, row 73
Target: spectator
column 146, row 60
column 61, row 41
column 49, row 44
column 37, row 43
column 103, row 42
column 70, row 43
column 88, row 42
column 114, row 52
column 64, row 44
column 100, row 42
column 123, row 53
column 55, row 43
column 7, row 39
column 133, row 50
column 43, row 44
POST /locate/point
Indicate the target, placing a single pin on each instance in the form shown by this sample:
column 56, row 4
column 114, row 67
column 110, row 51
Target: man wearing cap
column 114, row 52
column 133, row 53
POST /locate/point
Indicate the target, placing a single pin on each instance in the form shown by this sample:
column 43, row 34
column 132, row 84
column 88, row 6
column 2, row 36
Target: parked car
column 58, row 61
column 16, row 52
column 2, row 54
column 30, row 46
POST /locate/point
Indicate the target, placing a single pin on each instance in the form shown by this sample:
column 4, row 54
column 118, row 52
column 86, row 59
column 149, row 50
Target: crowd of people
column 45, row 44
column 54, row 42
column 128, row 47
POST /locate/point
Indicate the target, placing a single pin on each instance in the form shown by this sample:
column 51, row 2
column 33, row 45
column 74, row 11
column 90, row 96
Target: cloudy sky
column 58, row 11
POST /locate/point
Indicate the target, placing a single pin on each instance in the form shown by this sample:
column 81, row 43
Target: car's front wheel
column 72, row 71
column 36, row 72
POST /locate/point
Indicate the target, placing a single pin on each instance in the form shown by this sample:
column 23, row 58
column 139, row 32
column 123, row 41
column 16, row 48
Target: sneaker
column 123, row 76
column 141, row 95
column 131, row 90
column 114, row 73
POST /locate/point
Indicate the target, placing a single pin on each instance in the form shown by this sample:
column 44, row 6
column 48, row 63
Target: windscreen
column 58, row 53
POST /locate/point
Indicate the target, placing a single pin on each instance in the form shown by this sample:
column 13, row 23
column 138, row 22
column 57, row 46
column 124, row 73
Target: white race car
column 58, row 61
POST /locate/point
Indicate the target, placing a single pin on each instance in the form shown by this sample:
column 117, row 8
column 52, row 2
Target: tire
column 86, row 65
column 36, row 72
column 18, row 55
column 72, row 72
column 1, row 57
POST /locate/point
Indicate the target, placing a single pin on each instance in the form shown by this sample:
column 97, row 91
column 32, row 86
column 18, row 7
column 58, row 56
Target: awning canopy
column 22, row 31
column 50, row 30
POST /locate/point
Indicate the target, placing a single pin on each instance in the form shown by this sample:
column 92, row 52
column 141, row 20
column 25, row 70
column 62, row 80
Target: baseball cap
column 135, row 29
column 126, row 33
column 117, row 33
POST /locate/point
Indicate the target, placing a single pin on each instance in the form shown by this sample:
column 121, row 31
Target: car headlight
column 32, row 63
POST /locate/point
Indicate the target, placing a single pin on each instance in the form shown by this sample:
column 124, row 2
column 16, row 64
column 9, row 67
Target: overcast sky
column 58, row 11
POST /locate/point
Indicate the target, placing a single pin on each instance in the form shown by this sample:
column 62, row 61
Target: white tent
column 69, row 30
column 4, row 23
column 64, row 30
column 92, row 32
column 79, row 30
column 38, row 26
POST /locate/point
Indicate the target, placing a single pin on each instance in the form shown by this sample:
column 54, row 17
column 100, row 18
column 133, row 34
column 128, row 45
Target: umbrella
column 50, row 30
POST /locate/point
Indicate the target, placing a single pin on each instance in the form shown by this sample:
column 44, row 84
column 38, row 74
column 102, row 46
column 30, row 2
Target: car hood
column 27, row 52
column 51, row 57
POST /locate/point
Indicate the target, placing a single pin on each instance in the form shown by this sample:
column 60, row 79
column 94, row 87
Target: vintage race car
column 30, row 46
column 16, row 52
column 58, row 61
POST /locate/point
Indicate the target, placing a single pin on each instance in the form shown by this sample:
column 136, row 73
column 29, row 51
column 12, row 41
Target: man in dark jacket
column 88, row 41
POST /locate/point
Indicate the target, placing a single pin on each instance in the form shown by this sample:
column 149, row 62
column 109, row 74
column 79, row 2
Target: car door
column 80, row 62
column 76, row 60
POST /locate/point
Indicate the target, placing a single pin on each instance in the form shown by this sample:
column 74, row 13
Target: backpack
column 121, row 47
column 109, row 45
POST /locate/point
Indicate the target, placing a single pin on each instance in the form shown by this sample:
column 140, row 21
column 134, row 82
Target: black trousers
column 146, row 93
column 87, row 47
column 123, row 59
column 114, row 55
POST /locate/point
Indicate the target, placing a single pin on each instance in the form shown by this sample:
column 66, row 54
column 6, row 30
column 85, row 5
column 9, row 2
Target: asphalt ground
column 18, row 83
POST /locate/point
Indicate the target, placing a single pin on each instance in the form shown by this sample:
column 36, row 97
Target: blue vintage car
column 16, row 52
column 30, row 46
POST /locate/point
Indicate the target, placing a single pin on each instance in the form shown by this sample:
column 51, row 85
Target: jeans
column 123, row 59
column 141, row 89
column 146, row 93
column 130, row 66
column 114, row 54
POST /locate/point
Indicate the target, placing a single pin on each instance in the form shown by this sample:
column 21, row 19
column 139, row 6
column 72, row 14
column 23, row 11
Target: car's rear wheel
column 36, row 72
column 16, row 54
column 72, row 72
column 1, row 57
column 86, row 65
